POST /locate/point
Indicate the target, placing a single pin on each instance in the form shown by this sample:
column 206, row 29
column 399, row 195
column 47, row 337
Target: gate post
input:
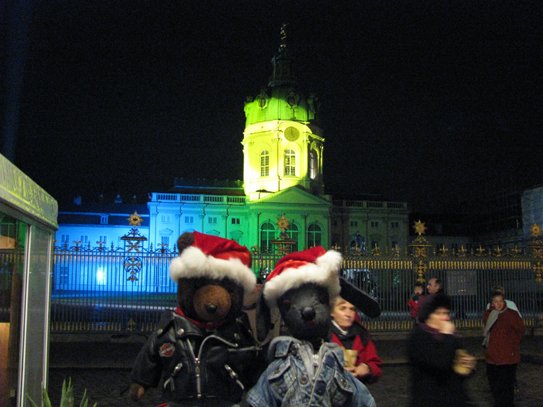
column 537, row 252
column 419, row 250
column 133, row 264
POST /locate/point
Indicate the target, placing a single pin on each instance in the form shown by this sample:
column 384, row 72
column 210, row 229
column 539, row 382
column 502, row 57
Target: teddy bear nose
column 308, row 313
column 210, row 308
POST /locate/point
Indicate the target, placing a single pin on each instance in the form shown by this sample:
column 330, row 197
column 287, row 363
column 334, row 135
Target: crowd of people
column 439, row 364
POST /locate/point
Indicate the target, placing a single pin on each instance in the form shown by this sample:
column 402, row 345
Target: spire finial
column 284, row 35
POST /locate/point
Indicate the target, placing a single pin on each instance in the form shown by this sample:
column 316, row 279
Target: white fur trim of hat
column 192, row 262
column 323, row 271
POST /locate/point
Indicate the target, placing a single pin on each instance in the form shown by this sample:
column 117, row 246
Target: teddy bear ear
column 359, row 298
column 263, row 317
column 184, row 241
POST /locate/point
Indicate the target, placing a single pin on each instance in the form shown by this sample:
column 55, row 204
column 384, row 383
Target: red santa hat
column 214, row 257
column 314, row 265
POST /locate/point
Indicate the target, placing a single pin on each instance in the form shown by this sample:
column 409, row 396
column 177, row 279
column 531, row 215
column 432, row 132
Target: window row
column 290, row 163
column 83, row 240
column 373, row 224
column 213, row 220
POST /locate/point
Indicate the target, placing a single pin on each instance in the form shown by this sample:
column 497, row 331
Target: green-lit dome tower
column 282, row 143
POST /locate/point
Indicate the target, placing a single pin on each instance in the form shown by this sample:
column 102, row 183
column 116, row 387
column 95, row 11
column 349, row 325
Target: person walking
column 503, row 332
column 434, row 352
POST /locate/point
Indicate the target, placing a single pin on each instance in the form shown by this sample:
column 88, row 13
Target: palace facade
column 282, row 197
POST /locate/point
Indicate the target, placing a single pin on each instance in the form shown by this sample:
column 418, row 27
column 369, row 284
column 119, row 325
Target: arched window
column 314, row 235
column 294, row 234
column 265, row 163
column 290, row 162
column 267, row 234
column 313, row 164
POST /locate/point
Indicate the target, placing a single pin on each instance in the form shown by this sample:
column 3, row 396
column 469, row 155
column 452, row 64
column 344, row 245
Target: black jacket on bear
column 198, row 366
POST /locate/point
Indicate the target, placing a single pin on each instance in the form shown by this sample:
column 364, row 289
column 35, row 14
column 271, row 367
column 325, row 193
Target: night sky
column 429, row 102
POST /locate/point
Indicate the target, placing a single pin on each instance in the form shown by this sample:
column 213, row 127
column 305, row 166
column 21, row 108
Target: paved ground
column 103, row 368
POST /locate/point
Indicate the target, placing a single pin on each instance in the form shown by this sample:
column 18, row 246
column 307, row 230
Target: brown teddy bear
column 204, row 352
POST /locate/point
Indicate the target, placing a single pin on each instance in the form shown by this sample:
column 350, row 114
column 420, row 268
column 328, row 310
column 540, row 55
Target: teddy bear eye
column 323, row 298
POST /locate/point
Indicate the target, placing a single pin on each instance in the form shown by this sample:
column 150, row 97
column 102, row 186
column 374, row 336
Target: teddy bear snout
column 210, row 308
column 308, row 314
column 212, row 302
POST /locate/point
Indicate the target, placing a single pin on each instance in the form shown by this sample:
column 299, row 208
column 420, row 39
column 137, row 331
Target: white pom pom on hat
column 214, row 257
column 314, row 265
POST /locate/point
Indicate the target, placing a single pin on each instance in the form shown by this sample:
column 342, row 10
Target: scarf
column 347, row 337
column 204, row 326
column 492, row 318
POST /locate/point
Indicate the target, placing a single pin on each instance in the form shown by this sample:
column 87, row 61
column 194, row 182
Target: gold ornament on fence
column 536, row 230
column 134, row 220
column 283, row 223
column 420, row 270
column 419, row 227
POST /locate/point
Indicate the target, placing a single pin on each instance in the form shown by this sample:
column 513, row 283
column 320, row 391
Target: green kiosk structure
column 28, row 221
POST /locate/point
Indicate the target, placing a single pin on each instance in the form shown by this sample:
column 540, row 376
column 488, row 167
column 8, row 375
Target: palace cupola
column 282, row 141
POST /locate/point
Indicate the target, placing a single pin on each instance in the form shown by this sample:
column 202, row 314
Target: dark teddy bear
column 204, row 352
column 305, row 368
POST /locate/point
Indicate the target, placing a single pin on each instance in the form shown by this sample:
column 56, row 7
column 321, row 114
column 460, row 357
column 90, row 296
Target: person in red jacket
column 504, row 329
column 351, row 334
column 416, row 300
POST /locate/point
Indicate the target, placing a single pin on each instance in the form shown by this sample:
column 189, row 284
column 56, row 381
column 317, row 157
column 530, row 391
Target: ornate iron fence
column 468, row 281
column 124, row 290
column 111, row 289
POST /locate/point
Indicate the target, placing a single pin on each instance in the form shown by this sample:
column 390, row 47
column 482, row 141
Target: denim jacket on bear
column 297, row 377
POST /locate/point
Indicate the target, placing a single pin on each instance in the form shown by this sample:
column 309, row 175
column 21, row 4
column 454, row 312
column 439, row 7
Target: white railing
column 162, row 197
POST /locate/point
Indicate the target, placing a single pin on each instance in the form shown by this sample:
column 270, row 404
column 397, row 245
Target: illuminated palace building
column 282, row 194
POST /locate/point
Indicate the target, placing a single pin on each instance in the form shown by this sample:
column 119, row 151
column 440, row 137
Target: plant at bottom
column 66, row 399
